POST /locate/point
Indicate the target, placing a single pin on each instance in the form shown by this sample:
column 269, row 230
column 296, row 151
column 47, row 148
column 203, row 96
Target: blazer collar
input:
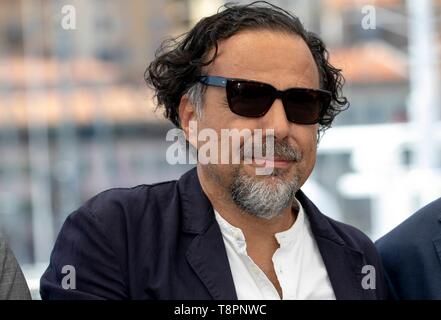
column 207, row 253
column 197, row 211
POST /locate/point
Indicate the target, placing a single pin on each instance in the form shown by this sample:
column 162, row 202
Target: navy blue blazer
column 411, row 255
column 162, row 241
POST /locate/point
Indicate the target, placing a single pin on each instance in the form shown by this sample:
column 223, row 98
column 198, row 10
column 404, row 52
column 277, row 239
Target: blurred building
column 76, row 117
column 380, row 143
column 126, row 33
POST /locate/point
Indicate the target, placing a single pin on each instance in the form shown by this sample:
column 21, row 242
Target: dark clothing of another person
column 411, row 255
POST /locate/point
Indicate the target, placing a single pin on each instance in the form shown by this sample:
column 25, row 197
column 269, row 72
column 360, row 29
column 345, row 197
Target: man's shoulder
column 415, row 231
column 131, row 199
column 109, row 235
column 129, row 194
column 409, row 248
column 117, row 210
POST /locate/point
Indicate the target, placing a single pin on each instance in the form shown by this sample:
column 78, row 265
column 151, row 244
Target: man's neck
column 250, row 225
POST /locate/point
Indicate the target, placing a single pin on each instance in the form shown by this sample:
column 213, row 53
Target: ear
column 187, row 113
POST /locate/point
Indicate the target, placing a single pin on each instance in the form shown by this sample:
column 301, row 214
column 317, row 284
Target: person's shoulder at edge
column 426, row 218
column 13, row 285
column 419, row 228
column 408, row 248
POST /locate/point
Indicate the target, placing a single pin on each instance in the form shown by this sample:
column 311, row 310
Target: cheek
column 308, row 144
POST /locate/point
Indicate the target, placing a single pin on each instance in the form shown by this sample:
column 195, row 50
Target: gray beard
column 263, row 198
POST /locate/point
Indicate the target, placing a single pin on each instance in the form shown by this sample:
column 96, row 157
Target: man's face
column 284, row 61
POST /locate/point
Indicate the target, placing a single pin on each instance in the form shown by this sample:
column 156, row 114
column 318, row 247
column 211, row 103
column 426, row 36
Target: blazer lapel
column 344, row 269
column 343, row 263
column 209, row 260
column 206, row 253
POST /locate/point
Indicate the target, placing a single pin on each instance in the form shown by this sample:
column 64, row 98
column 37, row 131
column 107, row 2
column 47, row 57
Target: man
column 411, row 255
column 222, row 231
column 12, row 282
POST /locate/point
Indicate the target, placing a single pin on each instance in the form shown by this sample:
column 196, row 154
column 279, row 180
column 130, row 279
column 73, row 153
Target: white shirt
column 297, row 262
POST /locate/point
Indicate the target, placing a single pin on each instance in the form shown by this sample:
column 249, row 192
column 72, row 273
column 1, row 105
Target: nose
column 276, row 119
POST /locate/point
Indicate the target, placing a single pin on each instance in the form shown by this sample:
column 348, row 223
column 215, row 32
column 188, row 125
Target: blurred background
column 76, row 117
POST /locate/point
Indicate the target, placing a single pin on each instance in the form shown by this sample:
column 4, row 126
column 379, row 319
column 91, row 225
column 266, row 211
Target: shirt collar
column 231, row 233
column 284, row 238
column 290, row 236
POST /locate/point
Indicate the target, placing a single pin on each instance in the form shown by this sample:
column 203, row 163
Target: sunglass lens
column 304, row 106
column 249, row 99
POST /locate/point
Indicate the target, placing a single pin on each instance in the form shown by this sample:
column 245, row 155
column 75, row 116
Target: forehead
column 278, row 58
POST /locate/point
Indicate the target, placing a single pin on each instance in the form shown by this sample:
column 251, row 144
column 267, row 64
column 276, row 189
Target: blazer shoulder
column 134, row 200
column 98, row 240
column 119, row 214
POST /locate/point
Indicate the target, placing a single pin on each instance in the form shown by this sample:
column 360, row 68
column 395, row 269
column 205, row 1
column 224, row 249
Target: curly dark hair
column 178, row 62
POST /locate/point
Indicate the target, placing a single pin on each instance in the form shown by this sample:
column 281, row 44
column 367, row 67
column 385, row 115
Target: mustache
column 280, row 149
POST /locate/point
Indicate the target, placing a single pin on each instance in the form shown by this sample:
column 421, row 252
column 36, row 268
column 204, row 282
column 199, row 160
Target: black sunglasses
column 250, row 98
